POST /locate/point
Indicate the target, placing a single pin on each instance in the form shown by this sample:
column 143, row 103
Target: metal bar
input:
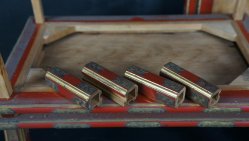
column 72, row 88
column 117, row 88
column 156, row 87
column 199, row 90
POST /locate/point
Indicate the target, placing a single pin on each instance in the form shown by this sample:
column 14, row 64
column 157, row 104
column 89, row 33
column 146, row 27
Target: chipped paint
column 6, row 111
column 146, row 110
column 7, row 126
column 63, row 125
column 143, row 124
column 71, row 111
column 223, row 110
column 215, row 124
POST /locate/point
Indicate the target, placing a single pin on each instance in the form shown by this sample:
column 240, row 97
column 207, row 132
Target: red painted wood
column 241, row 124
column 110, row 109
column 107, row 124
column 162, row 18
column 36, row 125
column 25, row 56
column 245, row 109
column 34, row 110
column 206, row 7
column 243, row 30
column 137, row 19
column 50, row 96
column 235, row 94
column 193, row 7
column 179, row 124
column 30, row 100
column 36, row 96
column 185, row 109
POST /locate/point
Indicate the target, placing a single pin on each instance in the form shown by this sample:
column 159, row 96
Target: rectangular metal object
column 198, row 89
column 117, row 88
column 74, row 89
column 156, row 87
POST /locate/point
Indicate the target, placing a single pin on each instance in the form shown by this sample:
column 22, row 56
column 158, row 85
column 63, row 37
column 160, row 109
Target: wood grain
column 5, row 85
column 240, row 9
column 224, row 6
column 35, row 48
column 38, row 11
column 213, row 58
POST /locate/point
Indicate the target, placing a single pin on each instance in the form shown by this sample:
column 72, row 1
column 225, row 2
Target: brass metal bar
column 198, row 89
column 74, row 89
column 157, row 88
column 117, row 88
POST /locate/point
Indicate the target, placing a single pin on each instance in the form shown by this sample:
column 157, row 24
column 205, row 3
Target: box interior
column 217, row 60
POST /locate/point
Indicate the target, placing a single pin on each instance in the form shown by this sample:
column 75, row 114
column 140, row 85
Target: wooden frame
column 42, row 100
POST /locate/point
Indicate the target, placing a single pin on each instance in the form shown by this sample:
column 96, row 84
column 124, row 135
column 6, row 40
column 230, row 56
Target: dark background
column 13, row 15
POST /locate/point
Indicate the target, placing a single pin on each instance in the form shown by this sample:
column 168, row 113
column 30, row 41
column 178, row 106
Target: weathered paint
column 142, row 124
column 179, row 123
column 244, row 26
column 20, row 47
column 223, row 110
column 24, row 57
column 198, row 7
column 216, row 124
column 64, row 125
column 206, row 6
column 47, row 102
column 146, row 110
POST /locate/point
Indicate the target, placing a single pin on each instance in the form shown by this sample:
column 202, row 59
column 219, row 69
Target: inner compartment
column 95, row 100
column 214, row 59
column 215, row 98
column 181, row 97
column 132, row 95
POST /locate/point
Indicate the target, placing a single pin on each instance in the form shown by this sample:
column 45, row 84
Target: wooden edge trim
column 140, row 18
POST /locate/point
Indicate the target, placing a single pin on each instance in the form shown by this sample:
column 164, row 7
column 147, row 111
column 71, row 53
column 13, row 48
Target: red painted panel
column 185, row 109
column 193, row 7
column 33, row 110
column 25, row 56
column 107, row 124
column 245, row 109
column 179, row 124
column 206, row 7
column 36, row 125
column 110, row 109
column 241, row 124
column 243, row 30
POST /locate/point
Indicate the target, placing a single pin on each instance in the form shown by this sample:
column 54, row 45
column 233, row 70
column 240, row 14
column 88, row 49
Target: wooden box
column 212, row 40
